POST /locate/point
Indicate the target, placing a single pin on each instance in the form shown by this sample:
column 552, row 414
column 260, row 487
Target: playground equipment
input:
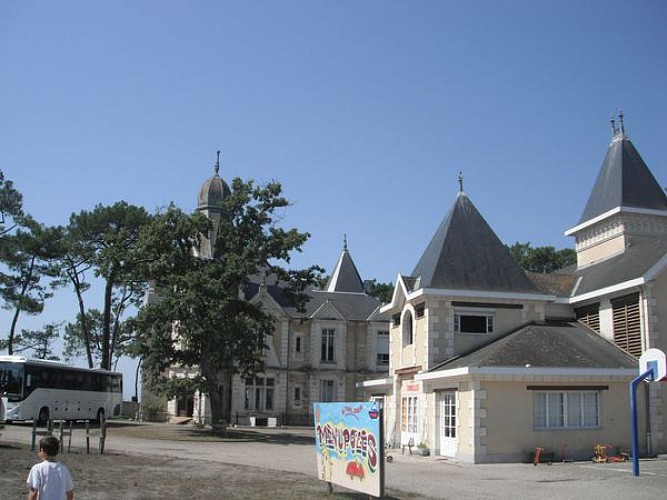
column 605, row 453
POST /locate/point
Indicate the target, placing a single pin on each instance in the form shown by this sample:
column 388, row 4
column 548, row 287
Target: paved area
column 292, row 450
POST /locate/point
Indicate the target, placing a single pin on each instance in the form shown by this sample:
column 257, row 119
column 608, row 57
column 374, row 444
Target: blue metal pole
column 633, row 409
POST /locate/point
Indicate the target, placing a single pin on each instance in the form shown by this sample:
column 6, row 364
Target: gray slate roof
column 551, row 344
column 637, row 259
column 465, row 254
column 624, row 180
column 345, row 277
column 213, row 191
column 353, row 306
column 559, row 283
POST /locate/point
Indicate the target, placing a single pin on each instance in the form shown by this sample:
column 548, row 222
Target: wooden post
column 35, row 432
column 65, row 432
column 87, row 436
column 103, row 434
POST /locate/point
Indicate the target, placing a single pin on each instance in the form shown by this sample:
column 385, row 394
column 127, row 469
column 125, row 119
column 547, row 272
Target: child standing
column 49, row 480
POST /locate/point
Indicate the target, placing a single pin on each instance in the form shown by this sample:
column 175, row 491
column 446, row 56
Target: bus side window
column 14, row 383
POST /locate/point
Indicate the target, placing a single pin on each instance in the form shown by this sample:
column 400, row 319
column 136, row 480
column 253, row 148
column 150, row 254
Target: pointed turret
column 345, row 277
column 624, row 180
column 465, row 254
column 626, row 204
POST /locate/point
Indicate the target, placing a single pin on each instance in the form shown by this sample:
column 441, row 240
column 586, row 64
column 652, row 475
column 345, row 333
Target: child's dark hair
column 50, row 445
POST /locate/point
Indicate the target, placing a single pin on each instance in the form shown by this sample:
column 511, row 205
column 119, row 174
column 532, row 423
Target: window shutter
column 589, row 316
column 627, row 324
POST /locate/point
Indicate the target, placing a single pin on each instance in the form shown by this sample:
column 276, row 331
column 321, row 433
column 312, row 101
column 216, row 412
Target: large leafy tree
column 30, row 257
column 106, row 239
column 77, row 344
column 541, row 259
column 202, row 319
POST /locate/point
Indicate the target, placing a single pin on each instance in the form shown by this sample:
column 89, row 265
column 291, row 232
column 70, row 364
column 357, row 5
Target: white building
column 488, row 362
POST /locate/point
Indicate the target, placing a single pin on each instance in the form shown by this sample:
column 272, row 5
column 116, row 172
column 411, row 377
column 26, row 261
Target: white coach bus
column 35, row 389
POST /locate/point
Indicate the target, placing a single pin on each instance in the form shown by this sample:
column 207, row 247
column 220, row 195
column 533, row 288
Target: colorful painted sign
column 348, row 440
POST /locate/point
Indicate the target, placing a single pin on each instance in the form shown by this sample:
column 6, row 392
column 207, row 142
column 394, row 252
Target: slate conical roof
column 213, row 191
column 345, row 277
column 465, row 254
column 624, row 181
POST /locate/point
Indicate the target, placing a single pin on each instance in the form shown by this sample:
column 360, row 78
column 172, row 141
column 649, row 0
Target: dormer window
column 473, row 321
column 419, row 310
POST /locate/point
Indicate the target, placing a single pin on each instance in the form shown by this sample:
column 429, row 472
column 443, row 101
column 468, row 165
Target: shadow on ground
column 189, row 432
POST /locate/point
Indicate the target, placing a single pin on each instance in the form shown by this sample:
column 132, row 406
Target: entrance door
column 447, row 423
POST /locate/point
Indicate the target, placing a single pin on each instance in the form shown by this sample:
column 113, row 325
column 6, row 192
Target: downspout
column 649, row 445
column 644, row 298
column 289, row 331
column 648, row 375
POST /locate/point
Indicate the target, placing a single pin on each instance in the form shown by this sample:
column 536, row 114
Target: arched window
column 408, row 336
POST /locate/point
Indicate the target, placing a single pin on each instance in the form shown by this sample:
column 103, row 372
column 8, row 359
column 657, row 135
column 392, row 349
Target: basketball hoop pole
column 647, row 375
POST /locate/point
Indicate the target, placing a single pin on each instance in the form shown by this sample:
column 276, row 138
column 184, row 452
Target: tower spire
column 612, row 122
column 345, row 242
column 217, row 163
column 460, row 182
column 622, row 127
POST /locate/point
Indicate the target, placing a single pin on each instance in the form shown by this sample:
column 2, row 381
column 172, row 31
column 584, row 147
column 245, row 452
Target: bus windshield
column 11, row 380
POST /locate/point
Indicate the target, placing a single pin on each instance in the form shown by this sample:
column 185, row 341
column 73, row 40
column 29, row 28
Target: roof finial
column 217, row 164
column 612, row 122
column 460, row 182
column 622, row 128
column 345, row 242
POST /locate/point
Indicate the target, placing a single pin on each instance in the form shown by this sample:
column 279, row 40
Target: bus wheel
column 43, row 417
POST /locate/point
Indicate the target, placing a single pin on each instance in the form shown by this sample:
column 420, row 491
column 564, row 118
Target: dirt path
column 149, row 461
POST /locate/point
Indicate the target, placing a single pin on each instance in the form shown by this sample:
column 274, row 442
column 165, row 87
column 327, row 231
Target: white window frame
column 328, row 345
column 382, row 355
column 567, row 409
column 326, row 386
column 409, row 414
column 259, row 394
column 489, row 314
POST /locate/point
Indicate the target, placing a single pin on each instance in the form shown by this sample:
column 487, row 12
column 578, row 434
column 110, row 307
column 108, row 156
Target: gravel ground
column 139, row 464
column 146, row 461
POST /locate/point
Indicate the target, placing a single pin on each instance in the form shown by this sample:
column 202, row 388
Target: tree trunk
column 74, row 278
column 215, row 397
column 17, row 311
column 12, row 329
column 115, row 331
column 136, row 379
column 106, row 325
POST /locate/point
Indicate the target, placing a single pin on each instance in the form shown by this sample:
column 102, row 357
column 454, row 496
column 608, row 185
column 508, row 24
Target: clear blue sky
column 365, row 111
